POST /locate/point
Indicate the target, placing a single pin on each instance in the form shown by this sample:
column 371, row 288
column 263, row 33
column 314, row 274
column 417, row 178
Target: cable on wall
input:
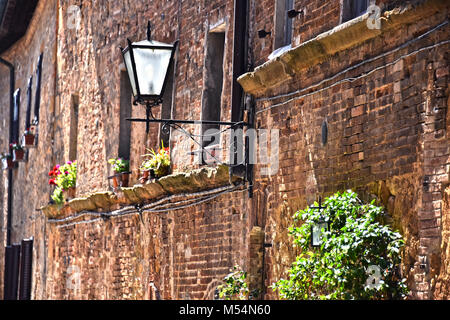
column 351, row 79
column 156, row 207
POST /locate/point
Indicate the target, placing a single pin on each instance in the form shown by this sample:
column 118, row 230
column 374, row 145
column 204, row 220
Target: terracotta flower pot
column 124, row 179
column 146, row 174
column 7, row 163
column 69, row 193
column 120, row 179
column 18, row 155
column 28, row 140
column 115, row 181
column 144, row 177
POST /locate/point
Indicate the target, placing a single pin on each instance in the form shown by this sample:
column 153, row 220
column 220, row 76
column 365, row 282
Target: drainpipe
column 10, row 172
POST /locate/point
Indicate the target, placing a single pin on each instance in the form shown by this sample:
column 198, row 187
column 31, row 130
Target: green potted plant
column 158, row 162
column 121, row 168
column 18, row 152
column 64, row 178
column 7, row 161
column 28, row 139
column 147, row 171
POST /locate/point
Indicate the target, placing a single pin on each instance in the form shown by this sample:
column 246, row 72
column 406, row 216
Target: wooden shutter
column 7, row 273
column 37, row 100
column 28, row 115
column 26, row 263
column 12, row 265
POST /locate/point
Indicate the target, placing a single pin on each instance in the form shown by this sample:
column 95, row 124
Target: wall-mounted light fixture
column 316, row 232
column 147, row 63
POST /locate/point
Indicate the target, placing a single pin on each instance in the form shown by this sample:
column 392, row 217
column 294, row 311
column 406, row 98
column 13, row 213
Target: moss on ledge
column 177, row 183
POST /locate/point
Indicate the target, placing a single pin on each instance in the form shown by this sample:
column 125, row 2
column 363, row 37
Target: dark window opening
column 283, row 24
column 28, row 114
column 212, row 93
column 125, row 112
column 73, row 128
column 353, row 8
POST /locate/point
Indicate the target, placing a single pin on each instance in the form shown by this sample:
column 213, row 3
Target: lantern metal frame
column 148, row 100
column 320, row 225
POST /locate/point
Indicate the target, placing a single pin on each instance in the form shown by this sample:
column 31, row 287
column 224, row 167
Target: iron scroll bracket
column 176, row 124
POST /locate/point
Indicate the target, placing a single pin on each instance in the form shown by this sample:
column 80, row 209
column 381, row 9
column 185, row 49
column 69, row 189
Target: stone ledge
column 178, row 183
column 275, row 72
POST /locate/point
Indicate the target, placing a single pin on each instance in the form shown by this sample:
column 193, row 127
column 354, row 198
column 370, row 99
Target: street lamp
column 147, row 63
column 317, row 227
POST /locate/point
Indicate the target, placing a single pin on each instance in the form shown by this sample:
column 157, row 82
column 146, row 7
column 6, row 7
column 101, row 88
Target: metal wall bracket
column 176, row 124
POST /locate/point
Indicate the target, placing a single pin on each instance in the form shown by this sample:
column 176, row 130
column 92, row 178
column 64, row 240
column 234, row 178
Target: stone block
column 82, row 204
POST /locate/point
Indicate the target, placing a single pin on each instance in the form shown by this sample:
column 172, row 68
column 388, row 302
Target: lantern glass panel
column 128, row 64
column 152, row 64
column 317, row 233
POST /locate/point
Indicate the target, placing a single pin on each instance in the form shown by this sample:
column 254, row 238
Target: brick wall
column 388, row 138
column 185, row 252
column 387, row 134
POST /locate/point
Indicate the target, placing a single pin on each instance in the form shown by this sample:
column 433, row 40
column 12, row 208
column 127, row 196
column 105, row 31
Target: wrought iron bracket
column 176, row 124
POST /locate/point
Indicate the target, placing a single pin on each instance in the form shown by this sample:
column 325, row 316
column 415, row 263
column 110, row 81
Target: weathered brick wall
column 83, row 60
column 195, row 21
column 103, row 28
column 443, row 282
column 387, row 132
column 318, row 16
column 387, row 138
